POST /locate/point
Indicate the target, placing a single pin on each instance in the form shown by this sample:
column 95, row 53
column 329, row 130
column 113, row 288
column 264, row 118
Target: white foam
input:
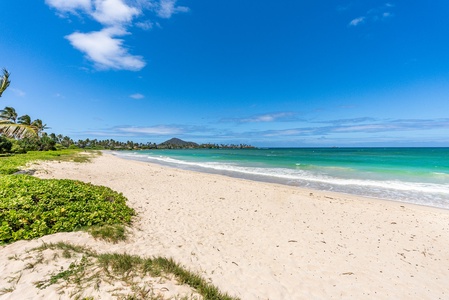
column 307, row 176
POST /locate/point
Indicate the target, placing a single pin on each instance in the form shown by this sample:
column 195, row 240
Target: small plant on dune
column 110, row 233
column 93, row 268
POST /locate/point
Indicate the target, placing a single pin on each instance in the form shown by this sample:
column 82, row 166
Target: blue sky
column 268, row 73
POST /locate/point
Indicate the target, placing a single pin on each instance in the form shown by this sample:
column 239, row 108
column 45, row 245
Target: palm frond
column 4, row 81
column 25, row 120
column 18, row 131
column 8, row 113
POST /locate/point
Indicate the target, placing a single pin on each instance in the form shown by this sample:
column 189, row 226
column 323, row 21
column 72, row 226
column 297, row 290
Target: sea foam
column 432, row 194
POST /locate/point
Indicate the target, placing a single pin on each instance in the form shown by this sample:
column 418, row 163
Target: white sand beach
column 258, row 240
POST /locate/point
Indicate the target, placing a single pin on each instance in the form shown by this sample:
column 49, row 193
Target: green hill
column 175, row 143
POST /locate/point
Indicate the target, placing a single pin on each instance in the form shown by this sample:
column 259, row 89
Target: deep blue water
column 415, row 175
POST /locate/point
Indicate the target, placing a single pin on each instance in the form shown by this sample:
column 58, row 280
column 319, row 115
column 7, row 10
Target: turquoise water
column 415, row 175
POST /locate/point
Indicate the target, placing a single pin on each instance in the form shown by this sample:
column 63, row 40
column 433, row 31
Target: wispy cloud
column 146, row 25
column 137, row 96
column 339, row 132
column 375, row 14
column 343, row 8
column 369, row 128
column 286, row 132
column 357, row 21
column 168, row 7
column 371, row 125
column 347, row 121
column 269, row 117
column 152, row 130
column 422, row 123
column 364, row 128
column 106, row 48
column 18, row 92
column 70, row 5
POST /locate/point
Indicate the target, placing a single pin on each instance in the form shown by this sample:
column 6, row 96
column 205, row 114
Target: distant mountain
column 177, row 143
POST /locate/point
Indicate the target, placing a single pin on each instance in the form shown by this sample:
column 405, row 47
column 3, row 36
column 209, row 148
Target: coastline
column 259, row 240
column 378, row 173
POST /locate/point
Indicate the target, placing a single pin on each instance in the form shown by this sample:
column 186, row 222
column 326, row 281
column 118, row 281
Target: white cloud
column 168, row 7
column 106, row 51
column 146, row 25
column 364, row 128
column 154, row 130
column 264, row 118
column 272, row 117
column 286, row 132
column 357, row 21
column 112, row 12
column 103, row 47
column 375, row 14
column 70, row 5
column 137, row 96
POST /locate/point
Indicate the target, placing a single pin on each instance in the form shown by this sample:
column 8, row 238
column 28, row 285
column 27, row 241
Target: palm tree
column 11, row 129
column 4, row 81
column 38, row 126
column 8, row 114
column 8, row 117
column 25, row 120
column 66, row 141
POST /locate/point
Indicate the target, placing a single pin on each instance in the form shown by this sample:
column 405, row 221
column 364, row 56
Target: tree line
column 19, row 134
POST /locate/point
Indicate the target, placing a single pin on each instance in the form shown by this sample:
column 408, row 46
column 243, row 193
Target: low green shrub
column 5, row 145
column 32, row 207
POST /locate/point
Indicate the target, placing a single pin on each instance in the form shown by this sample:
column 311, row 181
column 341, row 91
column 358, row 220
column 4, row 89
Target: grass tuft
column 93, row 269
column 110, row 233
column 125, row 264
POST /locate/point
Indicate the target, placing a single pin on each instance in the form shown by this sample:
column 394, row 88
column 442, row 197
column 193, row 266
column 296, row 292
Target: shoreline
column 258, row 240
column 264, row 179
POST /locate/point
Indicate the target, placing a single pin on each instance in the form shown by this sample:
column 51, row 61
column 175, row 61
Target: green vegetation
column 92, row 269
column 110, row 233
column 176, row 143
column 32, row 207
column 12, row 164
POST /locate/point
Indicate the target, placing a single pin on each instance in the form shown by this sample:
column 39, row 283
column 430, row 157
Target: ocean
column 413, row 175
